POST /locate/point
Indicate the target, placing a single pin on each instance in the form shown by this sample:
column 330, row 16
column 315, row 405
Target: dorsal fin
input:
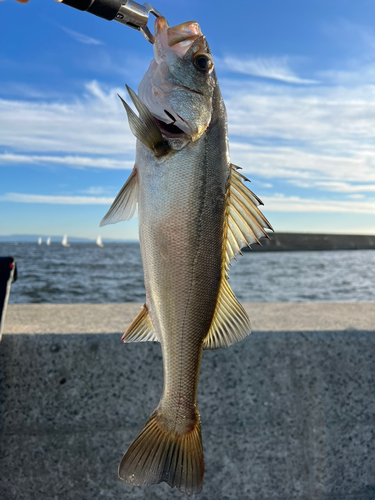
column 125, row 203
column 244, row 224
column 141, row 329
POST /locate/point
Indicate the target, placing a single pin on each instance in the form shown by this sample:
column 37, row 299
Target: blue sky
column 298, row 79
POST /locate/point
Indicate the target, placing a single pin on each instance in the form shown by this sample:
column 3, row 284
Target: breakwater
column 287, row 414
column 279, row 242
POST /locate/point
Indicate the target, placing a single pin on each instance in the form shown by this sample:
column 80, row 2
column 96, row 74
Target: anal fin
column 230, row 323
column 141, row 329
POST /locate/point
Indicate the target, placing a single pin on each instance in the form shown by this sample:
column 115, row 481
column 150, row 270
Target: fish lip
column 180, row 33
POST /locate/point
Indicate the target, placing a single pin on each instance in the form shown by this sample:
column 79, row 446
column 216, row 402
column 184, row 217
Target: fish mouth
column 171, row 130
column 179, row 38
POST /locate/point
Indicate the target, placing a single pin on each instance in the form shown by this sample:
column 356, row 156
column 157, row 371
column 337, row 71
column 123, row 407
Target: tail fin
column 157, row 455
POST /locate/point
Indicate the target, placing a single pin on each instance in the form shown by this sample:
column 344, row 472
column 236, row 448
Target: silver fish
column 195, row 215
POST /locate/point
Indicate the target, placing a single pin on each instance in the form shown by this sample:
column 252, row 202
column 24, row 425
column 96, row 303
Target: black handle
column 107, row 9
column 8, row 274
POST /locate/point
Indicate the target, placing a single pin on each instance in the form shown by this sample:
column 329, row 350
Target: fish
column 195, row 214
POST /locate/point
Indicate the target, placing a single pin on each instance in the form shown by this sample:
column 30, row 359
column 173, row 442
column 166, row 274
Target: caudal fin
column 157, row 455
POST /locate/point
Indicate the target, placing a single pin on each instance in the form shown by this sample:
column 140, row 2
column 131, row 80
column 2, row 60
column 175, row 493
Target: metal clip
column 126, row 12
column 135, row 16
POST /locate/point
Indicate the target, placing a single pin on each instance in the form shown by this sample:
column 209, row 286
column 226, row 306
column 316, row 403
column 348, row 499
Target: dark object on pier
column 280, row 242
column 8, row 275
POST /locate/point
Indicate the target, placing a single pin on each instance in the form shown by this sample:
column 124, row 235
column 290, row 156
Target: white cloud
column 314, row 133
column 276, row 68
column 297, row 204
column 94, row 124
column 337, row 187
column 94, row 190
column 323, row 132
column 299, row 163
column 356, row 196
column 56, row 200
column 345, row 187
column 79, row 37
column 69, row 161
column 278, row 203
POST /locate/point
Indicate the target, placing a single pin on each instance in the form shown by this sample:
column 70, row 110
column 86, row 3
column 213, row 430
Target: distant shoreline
column 278, row 242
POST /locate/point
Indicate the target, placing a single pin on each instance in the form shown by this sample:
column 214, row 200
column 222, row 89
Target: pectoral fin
column 141, row 329
column 125, row 203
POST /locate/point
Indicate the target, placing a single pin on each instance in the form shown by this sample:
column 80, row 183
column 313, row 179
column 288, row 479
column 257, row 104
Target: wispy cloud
column 299, row 163
column 266, row 185
column 277, row 203
column 337, row 187
column 55, row 200
column 95, row 190
column 315, row 133
column 93, row 124
column 297, row 204
column 79, row 37
column 356, row 196
column 276, row 68
column 69, row 161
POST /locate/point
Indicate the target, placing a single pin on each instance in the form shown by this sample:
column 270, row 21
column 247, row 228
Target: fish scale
column 175, row 232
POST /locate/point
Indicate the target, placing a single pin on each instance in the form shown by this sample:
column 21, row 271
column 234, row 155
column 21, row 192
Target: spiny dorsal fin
column 145, row 127
column 125, row 203
column 141, row 329
column 244, row 224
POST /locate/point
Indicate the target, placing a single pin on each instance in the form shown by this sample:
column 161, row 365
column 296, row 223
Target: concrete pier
column 289, row 413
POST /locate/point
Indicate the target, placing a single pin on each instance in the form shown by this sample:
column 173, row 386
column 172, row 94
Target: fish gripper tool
column 126, row 12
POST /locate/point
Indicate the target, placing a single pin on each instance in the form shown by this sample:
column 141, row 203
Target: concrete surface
column 110, row 318
column 285, row 414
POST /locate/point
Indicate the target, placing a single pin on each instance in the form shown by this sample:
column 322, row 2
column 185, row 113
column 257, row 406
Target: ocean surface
column 87, row 273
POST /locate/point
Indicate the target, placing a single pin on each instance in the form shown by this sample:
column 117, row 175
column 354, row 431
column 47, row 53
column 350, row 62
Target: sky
column 298, row 80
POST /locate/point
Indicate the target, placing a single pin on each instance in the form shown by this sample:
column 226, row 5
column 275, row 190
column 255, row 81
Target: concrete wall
column 285, row 414
column 313, row 241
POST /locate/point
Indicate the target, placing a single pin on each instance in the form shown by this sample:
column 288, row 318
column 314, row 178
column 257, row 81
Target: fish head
column 178, row 86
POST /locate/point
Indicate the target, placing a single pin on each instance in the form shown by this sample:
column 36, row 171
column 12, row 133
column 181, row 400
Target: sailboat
column 39, row 240
column 48, row 242
column 99, row 241
column 64, row 241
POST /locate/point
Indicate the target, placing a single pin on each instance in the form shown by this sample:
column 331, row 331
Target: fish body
column 194, row 215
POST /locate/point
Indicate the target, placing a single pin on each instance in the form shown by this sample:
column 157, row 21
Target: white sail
column 39, row 240
column 48, row 242
column 99, row 241
column 65, row 241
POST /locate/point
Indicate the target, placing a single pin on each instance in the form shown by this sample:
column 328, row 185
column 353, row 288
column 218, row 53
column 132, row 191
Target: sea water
column 86, row 273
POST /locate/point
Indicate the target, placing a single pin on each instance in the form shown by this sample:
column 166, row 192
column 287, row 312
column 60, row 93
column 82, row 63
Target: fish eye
column 203, row 62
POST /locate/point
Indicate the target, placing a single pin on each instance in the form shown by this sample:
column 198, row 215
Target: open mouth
column 170, row 130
